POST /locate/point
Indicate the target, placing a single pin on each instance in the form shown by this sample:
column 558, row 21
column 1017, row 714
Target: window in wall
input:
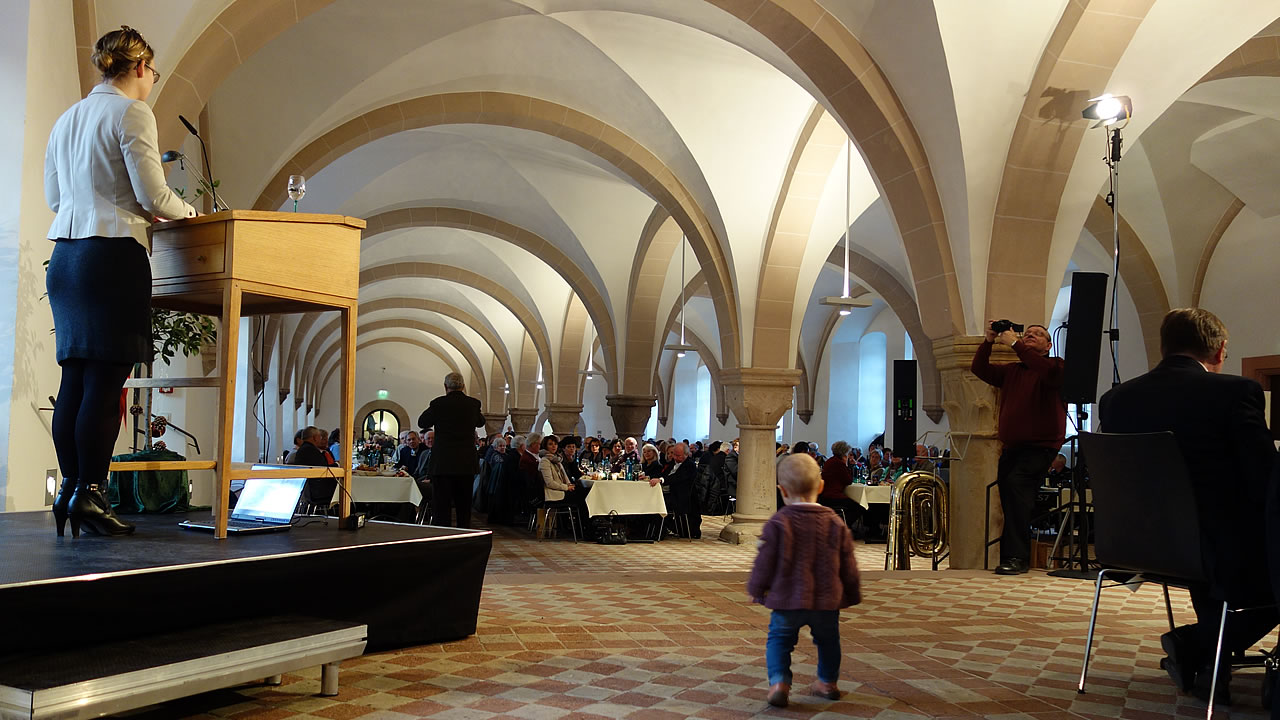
column 702, row 417
column 651, row 428
column 908, row 349
column 381, row 421
column 872, row 385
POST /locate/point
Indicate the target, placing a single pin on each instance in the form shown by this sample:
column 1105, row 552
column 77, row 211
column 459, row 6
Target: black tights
column 86, row 419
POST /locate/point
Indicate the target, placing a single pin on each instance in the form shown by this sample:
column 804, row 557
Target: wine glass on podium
column 297, row 189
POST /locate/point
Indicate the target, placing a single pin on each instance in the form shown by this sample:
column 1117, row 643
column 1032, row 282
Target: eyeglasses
column 155, row 76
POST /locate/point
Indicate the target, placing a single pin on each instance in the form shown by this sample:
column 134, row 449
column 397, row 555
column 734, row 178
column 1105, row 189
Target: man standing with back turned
column 454, row 463
column 1218, row 423
column 1032, row 428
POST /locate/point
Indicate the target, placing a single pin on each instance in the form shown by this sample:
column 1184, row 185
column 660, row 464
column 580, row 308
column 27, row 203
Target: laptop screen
column 272, row 499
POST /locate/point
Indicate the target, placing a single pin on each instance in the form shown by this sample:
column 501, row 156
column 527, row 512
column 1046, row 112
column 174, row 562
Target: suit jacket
column 308, row 454
column 1219, row 426
column 680, row 478
column 102, row 173
column 455, row 417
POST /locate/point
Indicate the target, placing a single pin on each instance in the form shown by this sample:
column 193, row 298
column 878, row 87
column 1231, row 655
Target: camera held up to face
column 999, row 326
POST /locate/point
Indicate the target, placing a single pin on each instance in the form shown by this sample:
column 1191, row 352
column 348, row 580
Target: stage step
column 92, row 681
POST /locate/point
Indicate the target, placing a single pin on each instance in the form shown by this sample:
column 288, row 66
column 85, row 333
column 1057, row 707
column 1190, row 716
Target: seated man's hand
column 653, row 482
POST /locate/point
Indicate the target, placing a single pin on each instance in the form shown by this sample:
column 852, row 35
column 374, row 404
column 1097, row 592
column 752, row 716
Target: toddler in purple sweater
column 805, row 572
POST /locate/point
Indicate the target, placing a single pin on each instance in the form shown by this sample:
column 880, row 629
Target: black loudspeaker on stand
column 1080, row 387
column 904, row 408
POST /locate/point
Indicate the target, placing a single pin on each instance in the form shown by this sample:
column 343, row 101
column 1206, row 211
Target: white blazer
column 102, row 172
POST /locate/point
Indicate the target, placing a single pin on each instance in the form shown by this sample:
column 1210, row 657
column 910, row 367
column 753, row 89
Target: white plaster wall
column 595, row 411
column 13, row 53
column 684, row 398
column 1241, row 288
column 52, row 85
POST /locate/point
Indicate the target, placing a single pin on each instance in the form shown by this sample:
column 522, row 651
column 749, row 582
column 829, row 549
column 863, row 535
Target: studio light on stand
column 1113, row 113
column 844, row 302
column 681, row 347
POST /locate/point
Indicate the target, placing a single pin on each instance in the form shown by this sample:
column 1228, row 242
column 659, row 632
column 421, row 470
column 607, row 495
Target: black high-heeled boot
column 90, row 508
column 62, row 502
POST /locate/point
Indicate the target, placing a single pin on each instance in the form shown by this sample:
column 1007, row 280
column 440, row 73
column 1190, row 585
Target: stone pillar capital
column 493, row 422
column 564, row 418
column 630, row 413
column 522, row 419
column 759, row 396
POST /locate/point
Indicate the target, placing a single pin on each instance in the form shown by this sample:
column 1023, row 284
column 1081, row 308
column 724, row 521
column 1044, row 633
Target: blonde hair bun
column 120, row 51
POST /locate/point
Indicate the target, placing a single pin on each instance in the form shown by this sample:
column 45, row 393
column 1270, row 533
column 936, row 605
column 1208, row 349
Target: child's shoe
column 778, row 694
column 825, row 690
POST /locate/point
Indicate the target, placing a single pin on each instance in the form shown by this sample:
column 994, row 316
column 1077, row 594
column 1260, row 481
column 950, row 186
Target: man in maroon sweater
column 1032, row 428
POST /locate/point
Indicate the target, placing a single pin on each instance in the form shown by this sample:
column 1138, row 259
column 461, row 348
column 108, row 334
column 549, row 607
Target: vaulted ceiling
column 532, row 171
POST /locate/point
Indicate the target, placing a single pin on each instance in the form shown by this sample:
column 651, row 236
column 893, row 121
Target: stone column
column 973, row 409
column 522, row 420
column 493, row 422
column 564, row 418
column 759, row 397
column 630, row 413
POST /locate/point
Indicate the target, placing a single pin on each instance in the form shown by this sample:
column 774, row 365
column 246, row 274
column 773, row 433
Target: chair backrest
column 1144, row 509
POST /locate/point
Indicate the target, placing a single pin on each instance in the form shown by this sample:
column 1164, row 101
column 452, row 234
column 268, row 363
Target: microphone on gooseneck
column 205, row 153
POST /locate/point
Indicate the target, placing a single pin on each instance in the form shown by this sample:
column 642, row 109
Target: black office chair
column 1146, row 524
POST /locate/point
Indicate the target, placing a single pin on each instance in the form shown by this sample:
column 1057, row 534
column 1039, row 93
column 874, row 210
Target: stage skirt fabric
column 100, row 293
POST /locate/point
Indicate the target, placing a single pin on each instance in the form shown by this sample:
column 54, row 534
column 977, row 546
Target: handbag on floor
column 614, row 531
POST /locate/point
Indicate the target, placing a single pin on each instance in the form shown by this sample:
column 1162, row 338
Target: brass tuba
column 918, row 510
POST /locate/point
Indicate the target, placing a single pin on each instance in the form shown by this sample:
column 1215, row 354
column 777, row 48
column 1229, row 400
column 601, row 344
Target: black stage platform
column 410, row 584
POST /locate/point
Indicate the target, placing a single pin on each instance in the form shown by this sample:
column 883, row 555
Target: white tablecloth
column 378, row 488
column 868, row 495
column 625, row 497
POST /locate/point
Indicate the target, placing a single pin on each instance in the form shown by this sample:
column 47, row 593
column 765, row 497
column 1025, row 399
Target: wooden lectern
column 239, row 263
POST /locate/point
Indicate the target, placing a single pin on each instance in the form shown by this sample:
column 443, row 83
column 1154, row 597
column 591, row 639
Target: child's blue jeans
column 784, row 630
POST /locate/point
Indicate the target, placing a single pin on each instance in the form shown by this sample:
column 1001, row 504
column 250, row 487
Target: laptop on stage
column 265, row 505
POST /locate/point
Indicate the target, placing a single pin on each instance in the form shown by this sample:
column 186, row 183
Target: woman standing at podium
column 104, row 180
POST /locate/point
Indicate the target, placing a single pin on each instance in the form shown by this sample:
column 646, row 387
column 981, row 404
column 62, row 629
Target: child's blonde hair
column 799, row 474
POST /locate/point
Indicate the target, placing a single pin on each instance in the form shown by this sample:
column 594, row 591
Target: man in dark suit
column 680, row 477
column 453, row 465
column 1219, row 426
column 313, row 451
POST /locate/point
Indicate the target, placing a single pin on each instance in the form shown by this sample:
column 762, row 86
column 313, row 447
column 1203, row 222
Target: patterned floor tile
column 666, row 631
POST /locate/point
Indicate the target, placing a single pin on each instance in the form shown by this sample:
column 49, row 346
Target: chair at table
column 317, row 495
column 552, row 512
column 1146, row 525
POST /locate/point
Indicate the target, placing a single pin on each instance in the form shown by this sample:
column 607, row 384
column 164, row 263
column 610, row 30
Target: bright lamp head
column 1108, row 109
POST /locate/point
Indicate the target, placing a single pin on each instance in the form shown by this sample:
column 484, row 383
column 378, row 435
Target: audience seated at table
column 712, row 497
column 836, row 476
column 592, row 454
column 630, row 449
column 407, row 457
column 651, row 462
column 680, row 477
column 312, row 451
column 555, row 481
column 490, row 494
column 530, row 477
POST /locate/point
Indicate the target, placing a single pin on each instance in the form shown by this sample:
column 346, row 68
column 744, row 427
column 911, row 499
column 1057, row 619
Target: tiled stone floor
column 666, row 631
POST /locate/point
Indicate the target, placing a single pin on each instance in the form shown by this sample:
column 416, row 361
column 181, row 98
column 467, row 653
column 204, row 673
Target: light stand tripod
column 1075, row 520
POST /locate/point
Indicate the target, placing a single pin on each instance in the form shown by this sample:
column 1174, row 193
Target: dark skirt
column 100, row 292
